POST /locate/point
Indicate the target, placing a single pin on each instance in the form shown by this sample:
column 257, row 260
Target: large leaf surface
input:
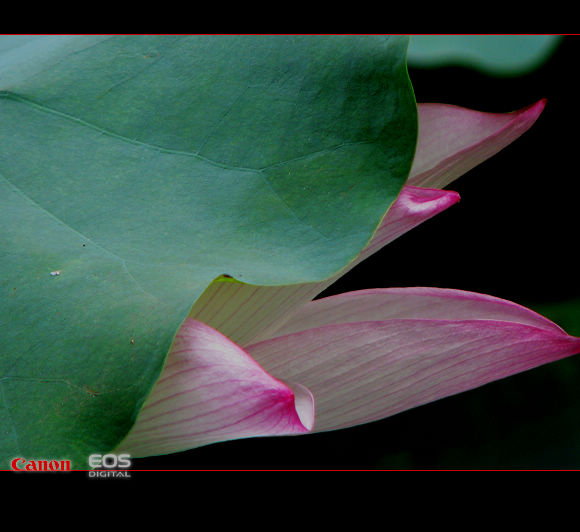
column 135, row 170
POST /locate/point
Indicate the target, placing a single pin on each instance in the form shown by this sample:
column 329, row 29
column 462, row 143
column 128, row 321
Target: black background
column 513, row 235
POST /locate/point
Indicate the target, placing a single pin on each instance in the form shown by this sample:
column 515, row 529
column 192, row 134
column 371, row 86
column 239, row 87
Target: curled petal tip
column 304, row 405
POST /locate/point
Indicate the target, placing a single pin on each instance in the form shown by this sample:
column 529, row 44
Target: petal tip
column 452, row 140
column 535, row 110
column 453, row 197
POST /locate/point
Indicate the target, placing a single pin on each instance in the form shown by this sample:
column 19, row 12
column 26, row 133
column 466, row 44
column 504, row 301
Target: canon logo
column 23, row 464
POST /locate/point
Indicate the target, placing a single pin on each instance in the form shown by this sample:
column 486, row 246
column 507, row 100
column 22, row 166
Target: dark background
column 513, row 235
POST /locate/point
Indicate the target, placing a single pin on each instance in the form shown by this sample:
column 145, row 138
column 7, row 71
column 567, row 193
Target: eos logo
column 110, row 461
column 111, row 464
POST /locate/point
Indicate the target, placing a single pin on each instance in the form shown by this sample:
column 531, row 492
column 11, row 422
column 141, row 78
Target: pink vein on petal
column 364, row 371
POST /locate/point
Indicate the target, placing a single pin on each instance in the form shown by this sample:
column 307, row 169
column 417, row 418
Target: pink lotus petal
column 452, row 140
column 382, row 304
column 361, row 372
column 414, row 206
column 211, row 390
column 247, row 313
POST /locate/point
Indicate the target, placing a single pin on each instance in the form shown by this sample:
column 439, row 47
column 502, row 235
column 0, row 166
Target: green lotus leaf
column 134, row 170
column 499, row 55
